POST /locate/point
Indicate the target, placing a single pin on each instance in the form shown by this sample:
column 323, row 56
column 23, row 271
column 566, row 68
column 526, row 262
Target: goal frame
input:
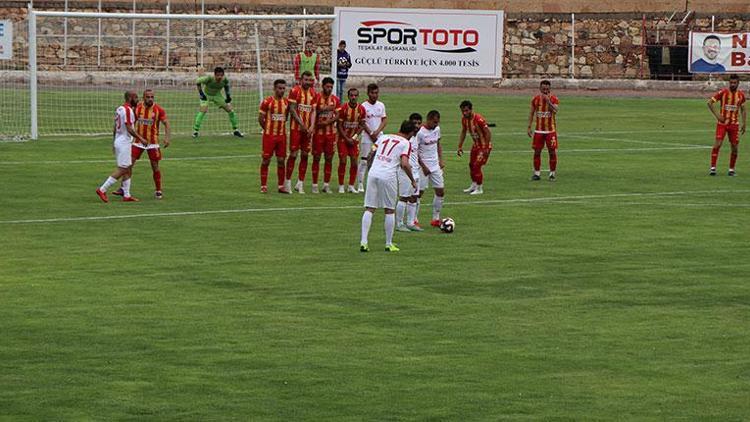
column 32, row 44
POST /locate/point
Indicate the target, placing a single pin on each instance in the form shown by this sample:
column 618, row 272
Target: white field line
column 344, row 207
column 633, row 141
column 255, row 156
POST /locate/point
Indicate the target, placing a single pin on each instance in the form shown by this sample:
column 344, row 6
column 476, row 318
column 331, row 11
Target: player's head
column 148, row 97
column 467, row 108
column 734, row 82
column 279, row 86
column 433, row 119
column 308, row 46
column 408, row 128
column 131, row 97
column 711, row 47
column 307, row 79
column 416, row 118
column 218, row 73
column 342, row 45
column 373, row 92
column 352, row 94
column 545, row 86
column 327, row 85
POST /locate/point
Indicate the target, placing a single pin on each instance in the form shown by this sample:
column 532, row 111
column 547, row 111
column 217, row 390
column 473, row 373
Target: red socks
column 553, row 161
column 732, row 160
column 714, row 156
column 302, row 168
column 290, row 167
column 157, row 179
column 263, row 175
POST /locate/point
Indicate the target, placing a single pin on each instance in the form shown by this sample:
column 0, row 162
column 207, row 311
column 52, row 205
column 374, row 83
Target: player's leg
column 438, row 183
column 328, row 149
column 202, row 110
column 353, row 170
column 294, row 145
column 411, row 204
column 404, row 192
column 126, row 178
column 280, row 151
column 537, row 145
column 551, row 142
column 472, row 170
column 135, row 155
column 343, row 157
column 734, row 142
column 482, row 158
column 304, row 150
column 371, row 204
column 388, row 194
column 268, row 148
column 154, row 157
column 718, row 140
column 362, row 168
column 232, row 118
column 317, row 151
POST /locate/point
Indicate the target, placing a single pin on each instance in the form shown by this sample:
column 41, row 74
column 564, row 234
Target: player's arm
column 295, row 115
column 167, row 133
column 227, row 95
column 441, row 163
column 407, row 169
column 313, row 119
column 531, row 120
column 711, row 102
column 201, row 94
column 371, row 156
column 487, row 136
column 380, row 128
column 262, row 114
column 461, row 139
column 340, row 130
column 134, row 134
column 554, row 107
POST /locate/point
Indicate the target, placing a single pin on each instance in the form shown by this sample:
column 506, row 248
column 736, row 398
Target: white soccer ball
column 447, row 225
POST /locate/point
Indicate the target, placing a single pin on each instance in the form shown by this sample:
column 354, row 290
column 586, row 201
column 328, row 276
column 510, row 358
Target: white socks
column 107, row 184
column 411, row 213
column 126, row 187
column 366, row 223
column 400, row 211
column 361, row 169
column 416, row 212
column 437, row 205
column 390, row 224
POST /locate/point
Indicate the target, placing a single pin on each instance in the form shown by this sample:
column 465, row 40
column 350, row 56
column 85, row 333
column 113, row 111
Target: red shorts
column 274, row 144
column 346, row 150
column 299, row 141
column 154, row 154
column 480, row 155
column 541, row 139
column 728, row 129
column 324, row 144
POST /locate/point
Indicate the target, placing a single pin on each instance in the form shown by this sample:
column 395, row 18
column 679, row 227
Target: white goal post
column 248, row 52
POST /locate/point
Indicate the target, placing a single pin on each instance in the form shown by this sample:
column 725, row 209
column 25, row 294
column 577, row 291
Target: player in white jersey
column 407, row 204
column 123, row 133
column 431, row 163
column 375, row 121
column 387, row 155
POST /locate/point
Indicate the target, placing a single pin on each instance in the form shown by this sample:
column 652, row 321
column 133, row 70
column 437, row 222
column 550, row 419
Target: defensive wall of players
column 608, row 46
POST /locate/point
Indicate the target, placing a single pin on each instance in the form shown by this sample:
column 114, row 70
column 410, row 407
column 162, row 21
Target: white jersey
column 414, row 154
column 387, row 161
column 124, row 115
column 428, row 146
column 374, row 115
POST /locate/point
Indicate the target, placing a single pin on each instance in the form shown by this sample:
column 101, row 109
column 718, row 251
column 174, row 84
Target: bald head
column 131, row 97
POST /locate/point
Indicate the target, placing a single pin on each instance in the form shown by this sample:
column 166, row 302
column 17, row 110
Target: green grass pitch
column 618, row 292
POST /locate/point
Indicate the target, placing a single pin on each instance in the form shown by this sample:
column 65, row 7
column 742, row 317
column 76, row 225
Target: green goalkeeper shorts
column 217, row 99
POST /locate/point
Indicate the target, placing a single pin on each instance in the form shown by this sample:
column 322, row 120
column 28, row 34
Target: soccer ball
column 447, row 225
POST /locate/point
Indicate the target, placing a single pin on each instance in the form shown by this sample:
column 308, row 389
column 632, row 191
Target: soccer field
column 618, row 292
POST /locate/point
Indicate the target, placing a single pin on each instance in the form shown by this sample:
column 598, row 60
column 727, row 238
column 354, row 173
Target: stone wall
column 607, row 46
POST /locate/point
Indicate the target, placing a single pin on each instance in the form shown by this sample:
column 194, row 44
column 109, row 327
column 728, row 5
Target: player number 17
column 394, row 143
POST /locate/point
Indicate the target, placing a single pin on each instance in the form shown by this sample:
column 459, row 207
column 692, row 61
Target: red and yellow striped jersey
column 276, row 111
column 327, row 108
column 474, row 127
column 730, row 104
column 351, row 118
column 545, row 117
column 305, row 100
column 147, row 120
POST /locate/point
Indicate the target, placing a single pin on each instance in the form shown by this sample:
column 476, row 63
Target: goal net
column 86, row 61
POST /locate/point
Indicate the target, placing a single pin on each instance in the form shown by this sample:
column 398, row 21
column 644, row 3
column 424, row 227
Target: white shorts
column 365, row 146
column 381, row 193
column 435, row 179
column 123, row 156
column 404, row 184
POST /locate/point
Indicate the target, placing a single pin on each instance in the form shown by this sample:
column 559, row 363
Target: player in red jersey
column 148, row 117
column 475, row 125
column 272, row 117
column 544, row 107
column 324, row 139
column 351, row 123
column 732, row 101
column 302, row 112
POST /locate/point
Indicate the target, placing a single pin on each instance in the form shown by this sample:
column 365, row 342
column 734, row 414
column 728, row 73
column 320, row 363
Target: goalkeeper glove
column 202, row 95
column 228, row 99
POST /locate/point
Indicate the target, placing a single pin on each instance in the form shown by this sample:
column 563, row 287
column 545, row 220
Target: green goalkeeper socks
column 198, row 121
column 233, row 120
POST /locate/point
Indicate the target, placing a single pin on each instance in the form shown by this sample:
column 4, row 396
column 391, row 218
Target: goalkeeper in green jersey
column 209, row 89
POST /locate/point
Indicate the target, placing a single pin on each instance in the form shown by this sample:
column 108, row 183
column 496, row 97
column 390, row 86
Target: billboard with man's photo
column 713, row 52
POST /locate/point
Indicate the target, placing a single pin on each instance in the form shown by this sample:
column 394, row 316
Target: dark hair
column 306, row 73
column 466, row 103
column 218, row 69
column 711, row 37
column 734, row 77
column 433, row 114
column 127, row 94
column 545, row 82
column 350, row 91
column 147, row 90
column 278, row 82
column 327, row 80
column 342, row 42
column 407, row 127
column 372, row 87
column 415, row 116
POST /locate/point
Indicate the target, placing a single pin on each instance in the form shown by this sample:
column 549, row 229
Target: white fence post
column 168, row 43
column 334, row 52
column 99, row 38
column 65, row 37
column 573, row 46
column 132, row 50
column 32, row 74
column 257, row 64
column 203, row 12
